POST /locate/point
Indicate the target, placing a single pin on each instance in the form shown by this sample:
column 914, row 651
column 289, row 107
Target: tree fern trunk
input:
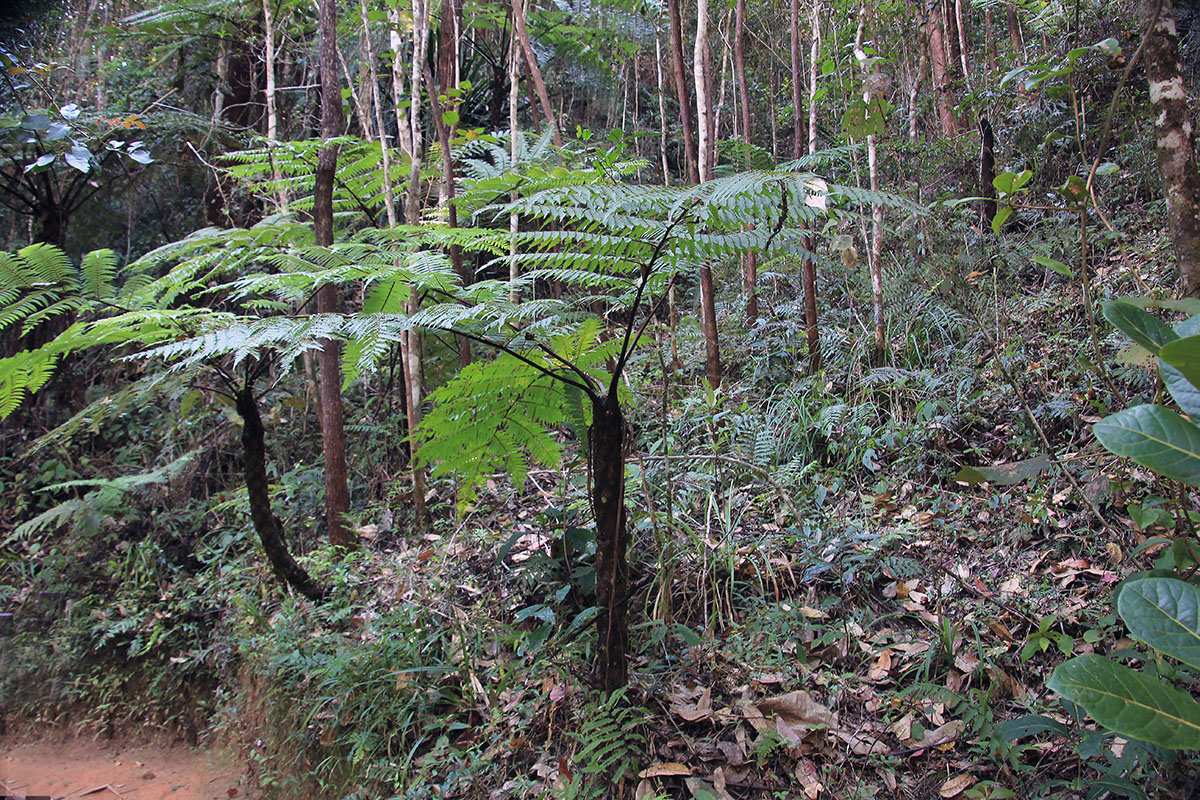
column 270, row 532
column 612, row 540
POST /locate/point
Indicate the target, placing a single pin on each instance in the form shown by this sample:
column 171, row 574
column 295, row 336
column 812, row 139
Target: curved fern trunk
column 270, row 532
column 612, row 540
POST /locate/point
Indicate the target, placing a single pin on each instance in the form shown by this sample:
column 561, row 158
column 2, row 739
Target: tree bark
column 809, row 268
column 797, row 82
column 1175, row 145
column 704, row 124
column 739, row 67
column 702, row 75
column 987, row 173
column 333, row 434
column 951, row 126
column 607, row 454
column 875, row 253
column 410, row 346
column 266, row 525
column 535, row 72
column 681, row 91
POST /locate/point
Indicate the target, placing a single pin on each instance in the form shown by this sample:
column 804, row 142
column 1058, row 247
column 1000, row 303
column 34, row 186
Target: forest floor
column 85, row 768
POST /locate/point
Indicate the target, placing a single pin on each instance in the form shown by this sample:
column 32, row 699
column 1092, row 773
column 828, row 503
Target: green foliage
column 1160, row 612
column 497, row 415
column 612, row 746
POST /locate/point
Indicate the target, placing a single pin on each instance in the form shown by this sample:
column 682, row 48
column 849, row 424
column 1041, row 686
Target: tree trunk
column 739, row 67
column 535, row 72
column 333, row 434
column 987, row 173
column 1176, row 150
column 1014, row 28
column 875, row 253
column 607, row 455
column 272, row 108
column 410, row 345
column 702, row 76
column 809, row 269
column 681, row 91
column 266, row 525
column 797, row 94
column 704, row 120
column 941, row 78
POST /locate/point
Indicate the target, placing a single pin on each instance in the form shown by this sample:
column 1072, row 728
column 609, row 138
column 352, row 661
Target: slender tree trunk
column 739, row 67
column 607, row 454
column 448, row 46
column 662, row 108
column 875, row 253
column 797, row 82
column 704, row 119
column 702, row 75
column 809, row 269
column 1014, row 28
column 403, row 130
column 1176, row 148
column 514, row 141
column 411, row 341
column 951, row 126
column 266, row 525
column 960, row 26
column 333, row 434
column 535, row 72
column 987, row 173
column 272, row 107
column 681, row 91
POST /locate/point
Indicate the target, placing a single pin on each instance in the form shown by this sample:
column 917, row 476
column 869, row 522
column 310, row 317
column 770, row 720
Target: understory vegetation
column 578, row 566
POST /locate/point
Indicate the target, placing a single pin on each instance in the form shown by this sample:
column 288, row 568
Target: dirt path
column 83, row 769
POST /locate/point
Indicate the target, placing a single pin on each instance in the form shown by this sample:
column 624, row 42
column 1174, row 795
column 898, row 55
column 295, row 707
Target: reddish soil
column 82, row 769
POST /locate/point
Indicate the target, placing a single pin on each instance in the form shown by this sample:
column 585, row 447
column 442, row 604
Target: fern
column 612, row 746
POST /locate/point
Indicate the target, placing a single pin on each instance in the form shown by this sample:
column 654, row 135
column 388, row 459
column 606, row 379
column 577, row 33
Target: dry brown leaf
column 862, row 744
column 902, row 728
column 668, row 768
column 942, row 734
column 956, row 785
column 797, row 709
column 810, row 783
column 966, row 661
column 812, row 613
column 645, row 790
column 881, row 668
column 702, row 709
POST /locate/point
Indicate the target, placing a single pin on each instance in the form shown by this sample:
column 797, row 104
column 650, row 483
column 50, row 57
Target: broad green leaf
column 1004, row 474
column 1051, row 264
column 1184, row 355
column 1154, row 437
column 1107, row 168
column 140, row 156
column 1013, row 729
column 1185, row 393
column 1001, row 217
column 450, row 118
column 1144, row 328
column 43, row 162
column 70, row 111
column 79, row 158
column 1131, row 703
column 1165, row 614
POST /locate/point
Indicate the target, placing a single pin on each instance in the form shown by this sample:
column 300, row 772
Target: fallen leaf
column 956, row 785
column 810, row 783
column 797, row 709
column 662, row 770
column 702, row 709
column 646, row 790
column 862, row 744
